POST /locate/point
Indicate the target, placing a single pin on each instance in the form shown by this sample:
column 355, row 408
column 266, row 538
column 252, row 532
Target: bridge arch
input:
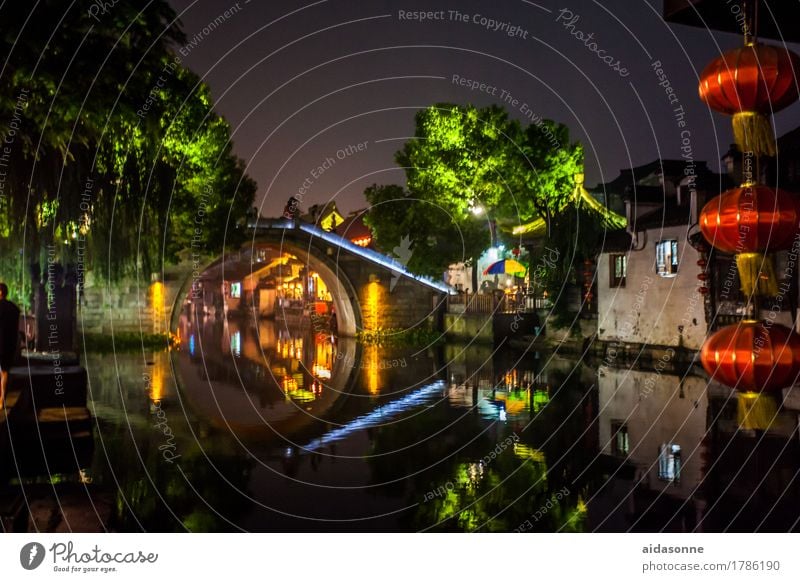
column 369, row 291
column 343, row 292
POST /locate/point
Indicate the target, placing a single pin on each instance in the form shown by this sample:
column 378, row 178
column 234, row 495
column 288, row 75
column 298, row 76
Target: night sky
column 301, row 82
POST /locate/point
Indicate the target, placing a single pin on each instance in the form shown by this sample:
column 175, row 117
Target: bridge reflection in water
column 276, row 429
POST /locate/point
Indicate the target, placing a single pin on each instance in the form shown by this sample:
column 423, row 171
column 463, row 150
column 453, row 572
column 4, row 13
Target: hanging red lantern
column 515, row 252
column 749, row 221
column 753, row 356
column 750, row 83
column 751, row 218
column 703, row 290
column 702, row 276
column 702, row 263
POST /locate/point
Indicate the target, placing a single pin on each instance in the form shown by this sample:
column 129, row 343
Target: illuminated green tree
column 465, row 167
column 107, row 104
column 436, row 236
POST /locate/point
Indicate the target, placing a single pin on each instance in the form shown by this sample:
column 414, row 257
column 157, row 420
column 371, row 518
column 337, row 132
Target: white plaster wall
column 650, row 308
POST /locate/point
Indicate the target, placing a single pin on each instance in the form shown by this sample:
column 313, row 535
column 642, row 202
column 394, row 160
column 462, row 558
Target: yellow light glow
column 526, row 452
column 323, row 356
column 157, row 383
column 157, row 300
column 373, row 370
column 373, row 306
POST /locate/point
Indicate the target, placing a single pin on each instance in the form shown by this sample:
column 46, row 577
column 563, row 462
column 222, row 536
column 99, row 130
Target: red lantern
column 703, row 290
column 515, row 252
column 702, row 263
column 753, row 356
column 751, row 219
column 751, row 82
column 702, row 276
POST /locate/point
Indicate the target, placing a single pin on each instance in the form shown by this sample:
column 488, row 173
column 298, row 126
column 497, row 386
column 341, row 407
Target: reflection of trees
column 191, row 488
column 501, row 494
column 195, row 496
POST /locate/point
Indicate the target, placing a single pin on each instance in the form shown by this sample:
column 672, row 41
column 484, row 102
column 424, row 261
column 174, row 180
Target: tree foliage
column 111, row 145
column 462, row 158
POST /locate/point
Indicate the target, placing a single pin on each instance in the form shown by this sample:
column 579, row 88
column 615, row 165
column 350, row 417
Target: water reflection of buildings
column 693, row 456
column 657, row 423
column 510, row 395
column 506, row 386
column 257, row 378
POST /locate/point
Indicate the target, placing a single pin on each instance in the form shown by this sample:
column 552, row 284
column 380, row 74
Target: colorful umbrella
column 506, row 267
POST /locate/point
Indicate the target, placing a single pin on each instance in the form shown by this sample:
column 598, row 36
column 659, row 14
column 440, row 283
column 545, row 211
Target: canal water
column 258, row 427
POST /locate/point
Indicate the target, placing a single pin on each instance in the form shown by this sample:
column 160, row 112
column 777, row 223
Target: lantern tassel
column 753, row 133
column 756, row 411
column 756, row 274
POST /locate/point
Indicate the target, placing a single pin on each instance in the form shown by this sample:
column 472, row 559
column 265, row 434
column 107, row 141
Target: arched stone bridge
column 370, row 290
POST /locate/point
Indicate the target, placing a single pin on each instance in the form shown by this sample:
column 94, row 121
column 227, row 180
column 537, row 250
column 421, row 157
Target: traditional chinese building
column 647, row 273
column 651, row 289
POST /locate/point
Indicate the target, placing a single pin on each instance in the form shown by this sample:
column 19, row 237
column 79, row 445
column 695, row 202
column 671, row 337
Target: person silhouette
column 9, row 339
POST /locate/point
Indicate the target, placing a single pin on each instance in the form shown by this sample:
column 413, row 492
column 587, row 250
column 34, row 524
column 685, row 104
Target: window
column 236, row 289
column 619, row 270
column 236, row 344
column 669, row 463
column 620, row 442
column 667, row 258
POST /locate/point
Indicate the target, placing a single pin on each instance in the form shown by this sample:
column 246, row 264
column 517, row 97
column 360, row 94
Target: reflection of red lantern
column 751, row 82
column 751, row 219
column 753, row 356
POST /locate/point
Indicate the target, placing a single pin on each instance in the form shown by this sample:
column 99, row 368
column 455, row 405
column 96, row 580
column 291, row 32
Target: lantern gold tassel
column 756, row 411
column 753, row 133
column 757, row 274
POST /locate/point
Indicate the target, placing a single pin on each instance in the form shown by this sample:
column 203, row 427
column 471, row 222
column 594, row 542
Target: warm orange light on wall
column 157, row 302
column 364, row 241
column 374, row 305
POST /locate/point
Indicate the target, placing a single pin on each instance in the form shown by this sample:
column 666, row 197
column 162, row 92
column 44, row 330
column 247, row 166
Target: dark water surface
column 264, row 428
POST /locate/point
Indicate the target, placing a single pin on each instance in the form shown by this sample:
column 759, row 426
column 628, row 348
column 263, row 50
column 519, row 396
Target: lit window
column 618, row 270
column 236, row 289
column 669, row 462
column 667, row 258
column 620, row 441
column 236, row 343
